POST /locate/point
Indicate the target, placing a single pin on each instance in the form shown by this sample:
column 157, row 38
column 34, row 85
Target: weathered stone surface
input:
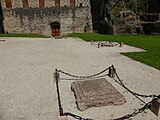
column 37, row 20
column 48, row 3
column 125, row 22
column 96, row 93
column 62, row 118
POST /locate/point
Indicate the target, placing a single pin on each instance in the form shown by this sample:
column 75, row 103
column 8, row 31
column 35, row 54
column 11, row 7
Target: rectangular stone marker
column 96, row 93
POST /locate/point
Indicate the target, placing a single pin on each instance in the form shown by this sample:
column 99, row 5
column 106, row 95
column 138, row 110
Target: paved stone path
column 27, row 88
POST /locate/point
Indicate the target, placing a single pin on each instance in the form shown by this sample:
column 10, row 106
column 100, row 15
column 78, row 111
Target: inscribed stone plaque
column 96, row 93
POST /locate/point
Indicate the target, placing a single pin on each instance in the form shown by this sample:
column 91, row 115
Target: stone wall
column 33, row 3
column 48, row 3
column 3, row 4
column 17, row 3
column 36, row 20
column 33, row 19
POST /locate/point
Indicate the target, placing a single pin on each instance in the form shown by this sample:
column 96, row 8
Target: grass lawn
column 149, row 43
column 24, row 35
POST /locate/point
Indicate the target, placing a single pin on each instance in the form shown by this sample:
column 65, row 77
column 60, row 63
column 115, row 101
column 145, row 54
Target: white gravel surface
column 28, row 91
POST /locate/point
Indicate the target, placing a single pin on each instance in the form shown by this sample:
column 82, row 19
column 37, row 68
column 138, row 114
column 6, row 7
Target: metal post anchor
column 155, row 106
column 99, row 44
column 111, row 72
column 56, row 77
column 91, row 42
column 121, row 44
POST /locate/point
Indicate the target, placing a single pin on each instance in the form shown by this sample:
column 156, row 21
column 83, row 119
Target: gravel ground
column 28, row 91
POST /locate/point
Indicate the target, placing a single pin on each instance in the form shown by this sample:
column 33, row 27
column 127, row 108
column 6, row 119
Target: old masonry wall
column 36, row 18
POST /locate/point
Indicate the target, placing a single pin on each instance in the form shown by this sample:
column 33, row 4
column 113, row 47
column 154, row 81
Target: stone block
column 96, row 93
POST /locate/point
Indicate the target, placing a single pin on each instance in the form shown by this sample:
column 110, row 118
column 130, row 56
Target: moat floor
column 28, row 91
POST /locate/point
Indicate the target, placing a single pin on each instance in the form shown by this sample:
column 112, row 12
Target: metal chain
column 121, row 83
column 146, row 106
column 96, row 77
column 82, row 77
column 136, row 112
column 97, row 44
column 134, row 93
column 56, row 77
column 75, row 116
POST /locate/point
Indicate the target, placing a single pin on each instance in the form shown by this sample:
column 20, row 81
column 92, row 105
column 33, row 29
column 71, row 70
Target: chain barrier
column 83, row 77
column 75, row 116
column 112, row 75
column 61, row 113
column 94, row 43
column 136, row 112
column 106, row 43
column 96, row 77
column 56, row 77
column 134, row 93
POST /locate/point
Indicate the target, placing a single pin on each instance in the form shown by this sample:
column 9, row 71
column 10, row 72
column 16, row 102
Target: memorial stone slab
column 96, row 93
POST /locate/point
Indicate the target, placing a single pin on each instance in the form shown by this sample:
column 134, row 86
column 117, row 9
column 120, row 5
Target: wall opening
column 57, row 3
column 72, row 3
column 41, row 3
column 8, row 4
column 25, row 4
column 101, row 20
column 55, row 27
column 80, row 4
column 1, row 20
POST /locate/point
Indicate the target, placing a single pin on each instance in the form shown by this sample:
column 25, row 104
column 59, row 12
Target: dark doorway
column 41, row 3
column 57, row 3
column 101, row 18
column 95, row 10
column 8, row 4
column 25, row 4
column 154, row 6
column 1, row 20
column 72, row 3
column 55, row 26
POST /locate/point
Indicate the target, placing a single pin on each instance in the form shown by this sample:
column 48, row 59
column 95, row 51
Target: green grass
column 149, row 43
column 24, row 35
